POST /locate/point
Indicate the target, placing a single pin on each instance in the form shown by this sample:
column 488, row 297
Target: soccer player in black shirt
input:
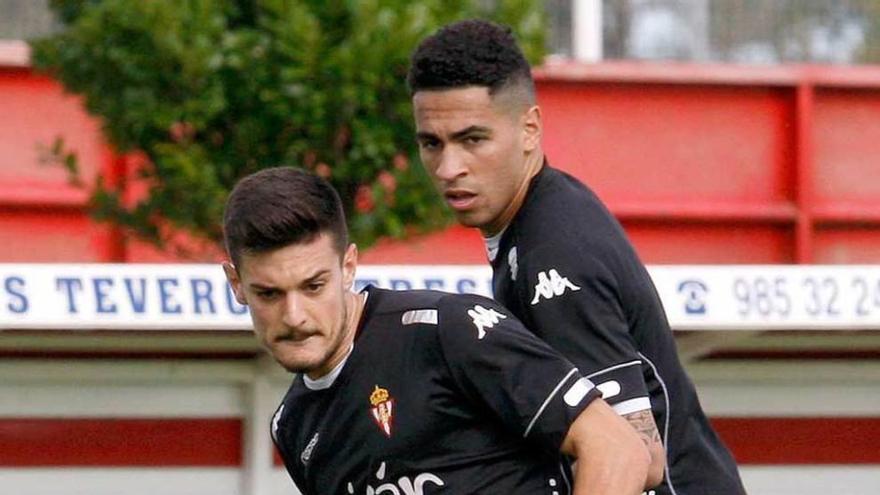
column 408, row 393
column 561, row 263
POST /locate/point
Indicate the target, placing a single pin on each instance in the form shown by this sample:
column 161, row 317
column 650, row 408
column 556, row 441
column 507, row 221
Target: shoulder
column 466, row 319
column 460, row 308
column 560, row 207
column 441, row 307
column 563, row 220
column 404, row 304
column 389, row 301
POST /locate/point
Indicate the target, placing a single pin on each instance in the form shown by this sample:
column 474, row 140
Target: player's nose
column 294, row 311
column 450, row 165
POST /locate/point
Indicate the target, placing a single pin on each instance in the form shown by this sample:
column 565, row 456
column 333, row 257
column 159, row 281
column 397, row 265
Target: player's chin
column 471, row 218
column 295, row 357
column 296, row 365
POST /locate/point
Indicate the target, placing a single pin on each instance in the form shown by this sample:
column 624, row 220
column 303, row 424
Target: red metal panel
column 35, row 113
column 803, row 150
column 28, row 442
column 801, row 440
column 650, row 143
column 42, row 217
column 710, row 243
column 847, row 141
column 848, row 244
column 45, row 235
column 216, row 442
column 453, row 246
column 181, row 247
column 703, row 163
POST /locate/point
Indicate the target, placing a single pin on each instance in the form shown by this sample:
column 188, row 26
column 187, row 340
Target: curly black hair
column 469, row 53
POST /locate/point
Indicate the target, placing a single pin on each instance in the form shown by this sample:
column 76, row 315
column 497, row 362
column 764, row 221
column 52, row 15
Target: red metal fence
column 701, row 163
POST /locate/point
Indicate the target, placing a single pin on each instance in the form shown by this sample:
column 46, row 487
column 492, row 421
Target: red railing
column 701, row 163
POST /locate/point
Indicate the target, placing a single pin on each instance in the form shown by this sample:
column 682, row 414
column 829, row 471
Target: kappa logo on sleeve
column 551, row 284
column 484, row 318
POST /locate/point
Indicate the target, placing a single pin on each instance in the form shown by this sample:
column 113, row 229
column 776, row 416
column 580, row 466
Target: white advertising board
column 192, row 296
column 770, row 297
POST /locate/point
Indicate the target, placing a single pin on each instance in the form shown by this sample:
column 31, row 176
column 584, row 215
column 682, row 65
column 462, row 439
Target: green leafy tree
column 208, row 91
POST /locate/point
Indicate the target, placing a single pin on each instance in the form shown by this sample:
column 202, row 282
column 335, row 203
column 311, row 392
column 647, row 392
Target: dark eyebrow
column 425, row 135
column 308, row 280
column 474, row 129
column 315, row 276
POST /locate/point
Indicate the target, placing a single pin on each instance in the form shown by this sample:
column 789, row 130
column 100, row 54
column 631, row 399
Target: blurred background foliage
column 204, row 92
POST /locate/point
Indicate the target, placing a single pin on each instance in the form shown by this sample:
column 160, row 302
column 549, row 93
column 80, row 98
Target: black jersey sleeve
column 573, row 302
column 280, row 439
column 507, row 371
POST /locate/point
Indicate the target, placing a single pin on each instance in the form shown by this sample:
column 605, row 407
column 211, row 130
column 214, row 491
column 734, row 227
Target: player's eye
column 268, row 294
column 429, row 144
column 474, row 139
column 315, row 287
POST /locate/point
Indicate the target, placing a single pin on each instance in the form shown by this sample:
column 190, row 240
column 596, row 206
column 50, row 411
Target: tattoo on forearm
column 643, row 423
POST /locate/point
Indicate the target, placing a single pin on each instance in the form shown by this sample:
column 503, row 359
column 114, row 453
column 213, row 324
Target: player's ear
column 532, row 128
column 349, row 265
column 234, row 282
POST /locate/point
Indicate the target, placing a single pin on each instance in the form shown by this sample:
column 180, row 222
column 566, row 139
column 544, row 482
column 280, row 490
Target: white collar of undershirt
column 327, row 380
column 492, row 245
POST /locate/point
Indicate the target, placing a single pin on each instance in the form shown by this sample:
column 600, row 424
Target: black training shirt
column 565, row 268
column 442, row 393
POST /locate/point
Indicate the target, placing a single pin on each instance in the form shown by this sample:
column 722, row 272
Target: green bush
column 211, row 90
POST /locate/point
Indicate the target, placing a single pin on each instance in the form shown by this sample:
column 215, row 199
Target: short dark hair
column 469, row 53
column 280, row 206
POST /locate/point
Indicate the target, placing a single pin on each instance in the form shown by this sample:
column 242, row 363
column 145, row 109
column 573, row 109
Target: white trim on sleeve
column 547, row 401
column 612, row 368
column 632, row 405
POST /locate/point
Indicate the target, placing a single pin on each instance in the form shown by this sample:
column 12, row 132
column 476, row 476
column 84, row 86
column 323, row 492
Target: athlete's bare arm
column 643, row 423
column 612, row 459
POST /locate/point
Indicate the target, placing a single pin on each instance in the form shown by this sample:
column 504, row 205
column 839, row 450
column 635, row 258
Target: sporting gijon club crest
column 382, row 410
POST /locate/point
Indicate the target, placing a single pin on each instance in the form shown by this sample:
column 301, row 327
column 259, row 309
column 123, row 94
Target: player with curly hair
column 561, row 262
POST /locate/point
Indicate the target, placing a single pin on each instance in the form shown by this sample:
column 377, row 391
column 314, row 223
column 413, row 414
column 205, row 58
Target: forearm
column 617, row 476
column 644, row 425
column 612, row 460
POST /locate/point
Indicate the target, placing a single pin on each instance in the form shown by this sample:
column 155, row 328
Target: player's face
column 476, row 148
column 300, row 302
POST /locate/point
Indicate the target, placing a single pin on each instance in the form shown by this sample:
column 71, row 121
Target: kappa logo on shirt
column 307, row 452
column 551, row 284
column 484, row 318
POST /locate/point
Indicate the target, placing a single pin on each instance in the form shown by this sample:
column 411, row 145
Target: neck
column 533, row 165
column 354, row 307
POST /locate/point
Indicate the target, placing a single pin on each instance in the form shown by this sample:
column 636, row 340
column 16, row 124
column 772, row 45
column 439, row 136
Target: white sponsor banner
column 192, row 296
column 812, row 297
column 171, row 296
column 118, row 296
column 468, row 279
